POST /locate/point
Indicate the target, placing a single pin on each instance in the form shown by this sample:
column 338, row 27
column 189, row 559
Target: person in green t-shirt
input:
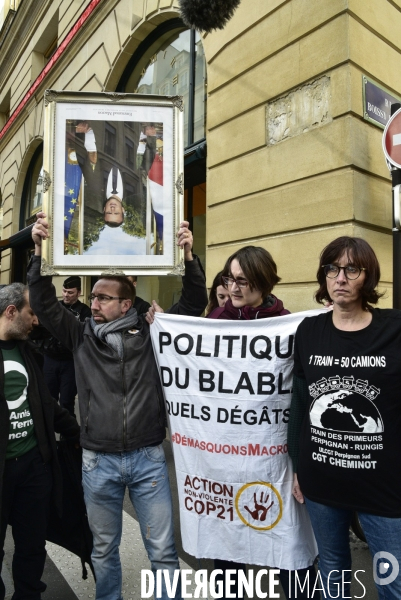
column 29, row 470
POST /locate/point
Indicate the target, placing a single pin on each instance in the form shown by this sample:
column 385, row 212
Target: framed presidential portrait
column 113, row 181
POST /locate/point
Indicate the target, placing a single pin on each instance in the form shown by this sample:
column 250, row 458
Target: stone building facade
column 277, row 102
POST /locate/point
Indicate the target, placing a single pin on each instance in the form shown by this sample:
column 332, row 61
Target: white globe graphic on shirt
column 12, row 365
column 345, row 410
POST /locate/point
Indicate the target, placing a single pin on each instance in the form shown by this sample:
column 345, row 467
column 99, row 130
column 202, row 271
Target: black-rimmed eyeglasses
column 103, row 298
column 350, row 271
column 241, row 283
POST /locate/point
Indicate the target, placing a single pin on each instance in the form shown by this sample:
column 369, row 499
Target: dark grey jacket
column 51, row 347
column 120, row 401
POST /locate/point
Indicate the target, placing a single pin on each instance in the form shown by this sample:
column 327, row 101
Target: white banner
column 227, row 386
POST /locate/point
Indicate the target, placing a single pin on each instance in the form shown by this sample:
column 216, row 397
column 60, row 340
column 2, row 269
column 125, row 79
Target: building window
column 45, row 46
column 110, row 140
column 171, row 61
column 174, row 65
column 183, row 80
column 5, row 109
column 32, row 195
column 130, row 191
column 129, row 153
column 50, row 50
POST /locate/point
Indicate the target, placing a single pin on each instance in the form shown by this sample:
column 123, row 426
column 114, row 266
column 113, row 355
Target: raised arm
column 61, row 323
column 193, row 299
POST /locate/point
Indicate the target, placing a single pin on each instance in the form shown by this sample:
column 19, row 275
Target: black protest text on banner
column 232, row 416
column 230, row 382
column 264, row 384
column 227, row 346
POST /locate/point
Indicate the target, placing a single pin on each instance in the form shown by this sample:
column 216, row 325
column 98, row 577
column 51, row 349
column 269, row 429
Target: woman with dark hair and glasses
column 345, row 421
column 250, row 275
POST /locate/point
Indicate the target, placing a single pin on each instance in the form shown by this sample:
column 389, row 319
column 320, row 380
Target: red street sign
column 392, row 140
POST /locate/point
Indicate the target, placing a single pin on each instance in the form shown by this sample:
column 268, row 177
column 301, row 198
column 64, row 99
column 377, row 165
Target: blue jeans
column 105, row 477
column 331, row 529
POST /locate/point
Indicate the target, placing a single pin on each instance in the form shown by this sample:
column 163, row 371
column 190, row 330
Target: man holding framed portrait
column 121, row 409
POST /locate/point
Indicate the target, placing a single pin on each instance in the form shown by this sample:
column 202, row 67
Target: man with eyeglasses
column 121, row 410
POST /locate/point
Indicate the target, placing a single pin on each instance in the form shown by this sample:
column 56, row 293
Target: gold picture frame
column 113, row 183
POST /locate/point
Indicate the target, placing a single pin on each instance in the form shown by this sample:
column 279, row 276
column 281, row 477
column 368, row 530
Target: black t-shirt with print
column 21, row 436
column 350, row 446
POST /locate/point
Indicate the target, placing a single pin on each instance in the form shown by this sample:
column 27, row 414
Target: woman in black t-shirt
column 345, row 420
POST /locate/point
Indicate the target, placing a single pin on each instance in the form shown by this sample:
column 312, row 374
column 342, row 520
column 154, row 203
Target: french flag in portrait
column 155, row 177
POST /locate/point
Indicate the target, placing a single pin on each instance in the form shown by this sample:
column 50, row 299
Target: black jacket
column 120, row 401
column 141, row 306
column 51, row 346
column 48, row 417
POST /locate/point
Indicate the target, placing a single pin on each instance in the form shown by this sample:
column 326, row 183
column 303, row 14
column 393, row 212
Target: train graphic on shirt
column 345, row 404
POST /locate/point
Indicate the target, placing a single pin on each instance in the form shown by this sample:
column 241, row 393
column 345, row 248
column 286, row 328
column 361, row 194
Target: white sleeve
column 90, row 142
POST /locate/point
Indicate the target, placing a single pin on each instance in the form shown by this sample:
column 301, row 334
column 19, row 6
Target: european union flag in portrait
column 73, row 178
